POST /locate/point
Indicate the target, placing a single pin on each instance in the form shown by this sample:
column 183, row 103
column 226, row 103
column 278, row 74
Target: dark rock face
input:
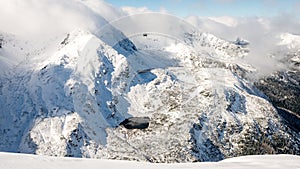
column 77, row 140
column 283, row 89
column 136, row 122
column 1, row 42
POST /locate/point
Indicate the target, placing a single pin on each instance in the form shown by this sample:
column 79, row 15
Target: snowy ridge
column 222, row 48
column 75, row 92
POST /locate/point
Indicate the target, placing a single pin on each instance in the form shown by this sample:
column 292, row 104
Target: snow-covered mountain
column 68, row 95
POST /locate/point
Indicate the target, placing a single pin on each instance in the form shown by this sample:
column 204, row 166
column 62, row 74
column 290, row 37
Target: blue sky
column 237, row 8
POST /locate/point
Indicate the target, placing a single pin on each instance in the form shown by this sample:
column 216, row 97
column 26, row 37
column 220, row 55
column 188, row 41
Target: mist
column 264, row 35
column 41, row 19
column 45, row 18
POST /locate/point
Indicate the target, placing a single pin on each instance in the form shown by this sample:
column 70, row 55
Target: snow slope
column 21, row 161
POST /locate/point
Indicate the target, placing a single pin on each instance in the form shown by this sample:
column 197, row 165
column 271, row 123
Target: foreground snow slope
column 22, row 161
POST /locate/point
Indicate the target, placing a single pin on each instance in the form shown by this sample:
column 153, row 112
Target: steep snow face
column 69, row 89
column 8, row 53
column 76, row 83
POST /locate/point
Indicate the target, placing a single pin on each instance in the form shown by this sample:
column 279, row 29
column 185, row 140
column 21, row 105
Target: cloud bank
column 33, row 17
column 264, row 35
column 47, row 17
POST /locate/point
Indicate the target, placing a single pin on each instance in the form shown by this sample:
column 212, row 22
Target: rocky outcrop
column 136, row 122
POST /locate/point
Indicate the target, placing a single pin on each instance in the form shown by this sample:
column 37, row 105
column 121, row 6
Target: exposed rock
column 66, row 40
column 136, row 122
column 241, row 42
column 283, row 90
column 1, row 42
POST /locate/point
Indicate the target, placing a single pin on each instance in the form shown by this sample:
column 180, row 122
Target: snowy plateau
column 66, row 96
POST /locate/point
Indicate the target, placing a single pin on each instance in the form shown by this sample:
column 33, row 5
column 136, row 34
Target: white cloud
column 163, row 10
column 40, row 18
column 133, row 10
column 226, row 20
column 129, row 10
column 263, row 34
column 104, row 9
